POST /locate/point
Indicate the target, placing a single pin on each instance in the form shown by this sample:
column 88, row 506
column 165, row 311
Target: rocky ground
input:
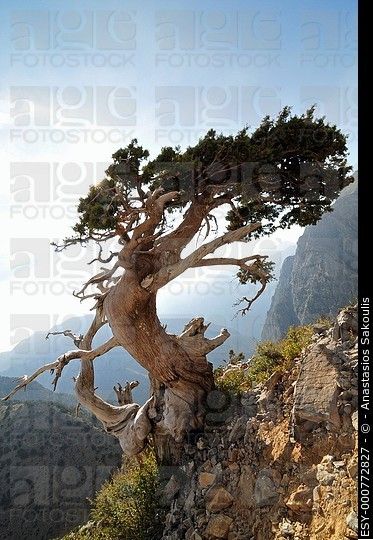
column 279, row 462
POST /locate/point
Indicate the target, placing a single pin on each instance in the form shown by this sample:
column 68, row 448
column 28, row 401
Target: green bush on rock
column 126, row 507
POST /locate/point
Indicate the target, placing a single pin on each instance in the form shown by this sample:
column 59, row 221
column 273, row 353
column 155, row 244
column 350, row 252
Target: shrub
column 233, row 381
column 269, row 357
column 126, row 507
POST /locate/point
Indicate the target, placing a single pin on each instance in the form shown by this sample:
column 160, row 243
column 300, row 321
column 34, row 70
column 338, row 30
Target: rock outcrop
column 278, row 462
column 322, row 275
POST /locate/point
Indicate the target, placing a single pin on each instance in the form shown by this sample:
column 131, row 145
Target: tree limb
column 168, row 273
column 62, row 361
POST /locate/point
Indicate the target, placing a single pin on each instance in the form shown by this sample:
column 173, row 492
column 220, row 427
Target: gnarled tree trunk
column 178, row 366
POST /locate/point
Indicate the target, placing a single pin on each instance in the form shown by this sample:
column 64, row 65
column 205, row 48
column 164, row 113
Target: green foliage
column 236, row 358
column 232, row 381
column 269, row 357
column 126, row 507
column 277, row 356
column 287, row 171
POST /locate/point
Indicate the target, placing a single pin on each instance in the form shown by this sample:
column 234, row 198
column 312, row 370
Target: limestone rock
column 346, row 325
column 206, row 479
column 322, row 275
column 352, row 521
column 352, row 467
column 218, row 526
column 218, row 499
column 324, row 477
column 171, row 489
column 301, row 499
column 316, row 390
column 265, row 490
column 245, row 493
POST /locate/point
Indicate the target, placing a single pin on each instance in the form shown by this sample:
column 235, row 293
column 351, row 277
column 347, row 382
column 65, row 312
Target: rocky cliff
column 322, row 275
column 279, row 462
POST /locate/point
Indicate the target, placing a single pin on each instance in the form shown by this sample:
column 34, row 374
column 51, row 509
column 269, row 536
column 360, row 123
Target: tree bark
column 181, row 374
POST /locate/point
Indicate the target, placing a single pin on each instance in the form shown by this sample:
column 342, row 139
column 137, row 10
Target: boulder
column 218, row 526
column 346, row 325
column 218, row 499
column 301, row 499
column 316, row 390
column 206, row 479
column 352, row 521
column 265, row 492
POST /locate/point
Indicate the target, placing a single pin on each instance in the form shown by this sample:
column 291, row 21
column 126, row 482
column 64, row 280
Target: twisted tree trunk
column 181, row 375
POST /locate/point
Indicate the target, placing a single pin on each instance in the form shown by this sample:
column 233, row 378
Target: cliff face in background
column 322, row 275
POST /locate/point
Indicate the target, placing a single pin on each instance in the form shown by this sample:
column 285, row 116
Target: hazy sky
column 79, row 80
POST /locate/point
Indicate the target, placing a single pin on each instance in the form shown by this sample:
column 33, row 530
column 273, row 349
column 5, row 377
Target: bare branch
column 250, row 301
column 101, row 277
column 63, row 359
column 222, row 261
column 168, row 273
column 193, row 339
column 57, row 366
column 77, row 338
column 101, row 260
column 124, row 395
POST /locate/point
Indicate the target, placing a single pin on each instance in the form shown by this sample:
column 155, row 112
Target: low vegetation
column 126, row 507
column 240, row 376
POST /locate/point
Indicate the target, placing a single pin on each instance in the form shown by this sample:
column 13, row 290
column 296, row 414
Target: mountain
column 35, row 392
column 321, row 276
column 50, row 462
column 116, row 366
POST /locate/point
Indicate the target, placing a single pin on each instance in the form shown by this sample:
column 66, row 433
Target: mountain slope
column 50, row 462
column 322, row 275
column 35, row 392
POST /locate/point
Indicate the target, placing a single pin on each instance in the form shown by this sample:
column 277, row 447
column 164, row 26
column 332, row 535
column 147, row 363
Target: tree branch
column 222, row 261
column 77, row 338
column 168, row 273
column 62, row 361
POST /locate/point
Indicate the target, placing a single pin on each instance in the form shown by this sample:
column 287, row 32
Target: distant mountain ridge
column 34, row 392
column 321, row 277
column 116, row 366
